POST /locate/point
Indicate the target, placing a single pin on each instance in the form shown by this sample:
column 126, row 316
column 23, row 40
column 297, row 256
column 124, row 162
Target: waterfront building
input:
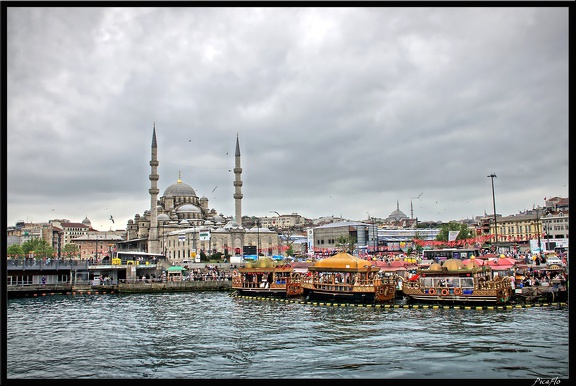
column 179, row 224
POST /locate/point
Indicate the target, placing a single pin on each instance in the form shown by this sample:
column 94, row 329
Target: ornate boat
column 348, row 278
column 458, row 283
column 266, row 277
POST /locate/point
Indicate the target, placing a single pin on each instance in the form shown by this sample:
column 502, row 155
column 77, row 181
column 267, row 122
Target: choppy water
column 213, row 335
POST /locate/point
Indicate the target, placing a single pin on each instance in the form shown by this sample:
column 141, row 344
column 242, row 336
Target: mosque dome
column 218, row 219
column 397, row 214
column 188, row 208
column 341, row 260
column 179, row 189
column 86, row 221
column 232, row 225
column 163, row 217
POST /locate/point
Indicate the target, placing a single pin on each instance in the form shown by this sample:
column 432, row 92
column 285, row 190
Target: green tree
column 71, row 250
column 15, row 250
column 464, row 231
column 40, row 247
column 346, row 243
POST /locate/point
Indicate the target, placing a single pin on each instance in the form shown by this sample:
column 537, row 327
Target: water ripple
column 211, row 335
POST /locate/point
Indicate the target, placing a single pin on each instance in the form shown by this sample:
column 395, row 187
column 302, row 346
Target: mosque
column 180, row 225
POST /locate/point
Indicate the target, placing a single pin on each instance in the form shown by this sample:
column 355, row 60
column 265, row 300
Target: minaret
column 238, row 185
column 153, row 245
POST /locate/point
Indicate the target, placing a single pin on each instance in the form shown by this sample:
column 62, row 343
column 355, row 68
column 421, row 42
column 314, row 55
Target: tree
column 345, row 243
column 464, row 231
column 15, row 250
column 40, row 247
column 71, row 250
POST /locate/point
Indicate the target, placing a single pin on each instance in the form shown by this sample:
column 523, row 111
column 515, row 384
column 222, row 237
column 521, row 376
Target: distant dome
column 188, row 208
column 179, row 189
column 86, row 221
column 397, row 215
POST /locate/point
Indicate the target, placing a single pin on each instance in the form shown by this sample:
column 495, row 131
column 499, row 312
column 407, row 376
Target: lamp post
column 492, row 176
column 162, row 218
column 258, row 232
column 280, row 246
column 538, row 229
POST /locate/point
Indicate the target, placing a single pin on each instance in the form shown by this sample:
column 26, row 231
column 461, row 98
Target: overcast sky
column 339, row 111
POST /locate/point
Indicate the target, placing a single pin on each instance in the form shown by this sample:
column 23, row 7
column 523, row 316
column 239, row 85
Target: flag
column 452, row 235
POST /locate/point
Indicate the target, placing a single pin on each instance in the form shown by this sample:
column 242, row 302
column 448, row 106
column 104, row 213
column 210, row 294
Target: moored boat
column 458, row 283
column 266, row 277
column 348, row 278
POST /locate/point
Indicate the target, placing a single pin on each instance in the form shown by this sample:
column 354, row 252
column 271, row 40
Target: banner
column 452, row 235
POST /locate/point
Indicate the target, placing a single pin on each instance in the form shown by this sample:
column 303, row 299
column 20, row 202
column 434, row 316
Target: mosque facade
column 180, row 225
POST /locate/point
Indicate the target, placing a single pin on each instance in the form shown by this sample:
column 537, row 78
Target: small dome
column 265, row 262
column 453, row 264
column 342, row 260
column 179, row 189
column 163, row 217
column 232, row 225
column 86, row 221
column 188, row 208
column 435, row 267
column 472, row 264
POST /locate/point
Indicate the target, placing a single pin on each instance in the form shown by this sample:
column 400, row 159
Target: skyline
column 339, row 111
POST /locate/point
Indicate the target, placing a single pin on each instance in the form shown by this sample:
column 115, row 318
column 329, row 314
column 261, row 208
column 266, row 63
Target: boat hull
column 496, row 297
column 348, row 293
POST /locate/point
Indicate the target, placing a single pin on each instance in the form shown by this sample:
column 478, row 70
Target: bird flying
column 112, row 219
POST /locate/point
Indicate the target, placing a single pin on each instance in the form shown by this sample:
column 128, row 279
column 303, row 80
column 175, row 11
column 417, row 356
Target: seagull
column 214, row 189
column 112, row 219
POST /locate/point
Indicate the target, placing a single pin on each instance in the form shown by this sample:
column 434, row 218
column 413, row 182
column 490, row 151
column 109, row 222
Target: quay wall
column 14, row 291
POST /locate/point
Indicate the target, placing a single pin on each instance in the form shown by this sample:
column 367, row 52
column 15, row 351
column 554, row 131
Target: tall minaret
column 153, row 245
column 238, row 185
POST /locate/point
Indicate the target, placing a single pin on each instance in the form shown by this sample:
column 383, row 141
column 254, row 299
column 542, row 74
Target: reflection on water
column 214, row 335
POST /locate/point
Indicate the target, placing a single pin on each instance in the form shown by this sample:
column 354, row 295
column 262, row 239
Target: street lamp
column 258, row 231
column 491, row 176
column 163, row 218
column 280, row 247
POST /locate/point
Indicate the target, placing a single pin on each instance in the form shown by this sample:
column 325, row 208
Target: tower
column 153, row 245
column 237, row 185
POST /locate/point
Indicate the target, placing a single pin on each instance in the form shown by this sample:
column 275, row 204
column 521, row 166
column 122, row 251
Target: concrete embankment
column 178, row 286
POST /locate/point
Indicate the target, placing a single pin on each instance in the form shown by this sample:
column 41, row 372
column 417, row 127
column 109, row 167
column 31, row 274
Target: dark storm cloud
column 339, row 111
